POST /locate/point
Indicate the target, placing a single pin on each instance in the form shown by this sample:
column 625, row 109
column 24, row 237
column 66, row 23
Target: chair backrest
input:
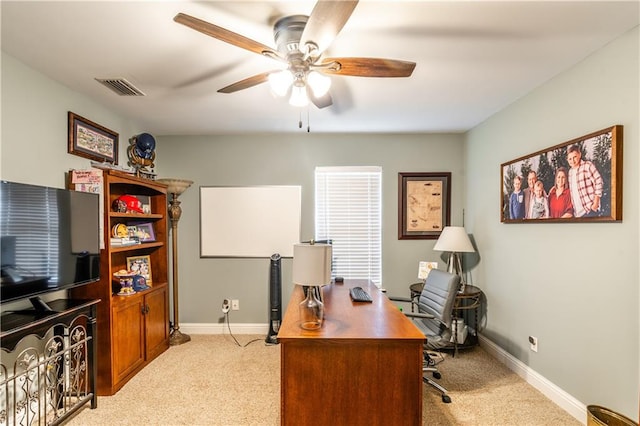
column 437, row 299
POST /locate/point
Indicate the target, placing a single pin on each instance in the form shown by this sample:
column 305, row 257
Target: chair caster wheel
column 437, row 375
column 446, row 399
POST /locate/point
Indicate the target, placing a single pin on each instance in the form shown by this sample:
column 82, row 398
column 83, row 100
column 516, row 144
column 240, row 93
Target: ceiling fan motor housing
column 287, row 32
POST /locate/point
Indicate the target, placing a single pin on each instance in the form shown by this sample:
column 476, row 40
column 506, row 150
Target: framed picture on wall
column 424, row 205
column 91, row 140
column 576, row 181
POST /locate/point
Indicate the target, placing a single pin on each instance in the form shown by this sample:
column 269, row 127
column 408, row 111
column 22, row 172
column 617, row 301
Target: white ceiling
column 473, row 59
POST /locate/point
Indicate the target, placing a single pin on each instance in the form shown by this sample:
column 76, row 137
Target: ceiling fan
column 301, row 40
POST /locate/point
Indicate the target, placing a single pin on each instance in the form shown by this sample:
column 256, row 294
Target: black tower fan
column 275, row 299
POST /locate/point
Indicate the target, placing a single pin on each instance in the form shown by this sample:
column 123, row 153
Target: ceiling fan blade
column 367, row 67
column 227, row 36
column 322, row 101
column 246, row 83
column 325, row 22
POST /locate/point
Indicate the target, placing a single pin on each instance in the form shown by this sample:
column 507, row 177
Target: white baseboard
column 241, row 328
column 565, row 401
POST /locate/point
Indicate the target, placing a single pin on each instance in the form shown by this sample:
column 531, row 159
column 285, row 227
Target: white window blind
column 348, row 211
column 36, row 252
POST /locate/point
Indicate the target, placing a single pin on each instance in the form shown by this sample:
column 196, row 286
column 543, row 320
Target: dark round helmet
column 145, row 145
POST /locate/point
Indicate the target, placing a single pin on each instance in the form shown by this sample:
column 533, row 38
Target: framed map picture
column 424, row 205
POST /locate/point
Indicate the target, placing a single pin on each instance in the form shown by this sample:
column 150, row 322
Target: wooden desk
column 363, row 367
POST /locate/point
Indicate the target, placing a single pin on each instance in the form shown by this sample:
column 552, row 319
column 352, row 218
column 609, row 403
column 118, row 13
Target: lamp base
column 178, row 338
column 311, row 310
column 311, row 325
column 454, row 266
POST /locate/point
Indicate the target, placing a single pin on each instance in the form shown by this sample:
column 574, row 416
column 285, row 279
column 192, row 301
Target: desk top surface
column 345, row 319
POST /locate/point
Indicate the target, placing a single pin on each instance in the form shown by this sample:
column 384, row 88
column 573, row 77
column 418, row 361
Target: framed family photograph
column 575, row 181
column 424, row 205
column 140, row 265
column 91, row 140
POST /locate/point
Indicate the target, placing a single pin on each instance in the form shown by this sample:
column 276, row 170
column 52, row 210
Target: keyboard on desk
column 359, row 295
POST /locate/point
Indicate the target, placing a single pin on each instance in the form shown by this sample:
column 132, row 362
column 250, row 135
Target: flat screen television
column 50, row 241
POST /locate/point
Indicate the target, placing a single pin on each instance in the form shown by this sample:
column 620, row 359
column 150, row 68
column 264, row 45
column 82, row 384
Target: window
column 348, row 211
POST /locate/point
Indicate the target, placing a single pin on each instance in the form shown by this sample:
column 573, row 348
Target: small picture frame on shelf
column 143, row 231
column 132, row 231
column 145, row 202
column 140, row 265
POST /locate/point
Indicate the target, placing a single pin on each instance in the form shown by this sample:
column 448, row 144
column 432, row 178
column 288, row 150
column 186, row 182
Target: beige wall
column 34, row 126
column 573, row 286
column 33, row 137
column 290, row 160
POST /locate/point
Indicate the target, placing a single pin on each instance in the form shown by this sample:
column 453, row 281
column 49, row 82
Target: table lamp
column 312, row 269
column 455, row 240
column 175, row 187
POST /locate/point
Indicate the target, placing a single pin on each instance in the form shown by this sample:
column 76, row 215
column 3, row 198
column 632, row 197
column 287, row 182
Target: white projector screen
column 249, row 221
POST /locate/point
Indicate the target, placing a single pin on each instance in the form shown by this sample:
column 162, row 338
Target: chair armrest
column 400, row 299
column 418, row 315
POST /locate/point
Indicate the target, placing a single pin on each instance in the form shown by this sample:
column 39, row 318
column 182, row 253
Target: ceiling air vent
column 121, row 86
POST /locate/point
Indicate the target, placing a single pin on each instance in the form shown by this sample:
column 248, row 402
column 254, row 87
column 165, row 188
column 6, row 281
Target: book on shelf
column 124, row 241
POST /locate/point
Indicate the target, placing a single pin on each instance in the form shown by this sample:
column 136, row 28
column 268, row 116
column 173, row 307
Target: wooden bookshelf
column 133, row 329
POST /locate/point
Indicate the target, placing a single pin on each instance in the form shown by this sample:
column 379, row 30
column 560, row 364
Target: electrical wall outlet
column 235, row 305
column 533, row 342
column 226, row 305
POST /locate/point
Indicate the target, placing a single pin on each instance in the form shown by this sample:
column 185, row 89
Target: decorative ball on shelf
column 142, row 153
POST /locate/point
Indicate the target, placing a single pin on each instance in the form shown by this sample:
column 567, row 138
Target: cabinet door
column 128, row 336
column 157, row 323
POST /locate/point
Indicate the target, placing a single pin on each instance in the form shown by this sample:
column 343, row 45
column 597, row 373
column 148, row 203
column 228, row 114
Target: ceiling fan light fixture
column 299, row 96
column 280, row 82
column 301, row 41
column 319, row 83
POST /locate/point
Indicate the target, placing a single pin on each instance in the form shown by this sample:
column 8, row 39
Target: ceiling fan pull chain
column 300, row 119
column 308, row 122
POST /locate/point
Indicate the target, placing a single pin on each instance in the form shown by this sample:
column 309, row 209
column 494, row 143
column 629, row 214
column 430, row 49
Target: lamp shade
column 454, row 239
column 312, row 264
column 176, row 186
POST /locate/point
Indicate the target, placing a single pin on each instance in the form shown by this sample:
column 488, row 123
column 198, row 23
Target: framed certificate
column 424, row 205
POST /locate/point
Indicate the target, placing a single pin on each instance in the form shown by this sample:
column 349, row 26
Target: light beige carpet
column 213, row 381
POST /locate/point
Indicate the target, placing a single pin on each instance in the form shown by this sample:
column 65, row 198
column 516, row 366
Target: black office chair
column 434, row 318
